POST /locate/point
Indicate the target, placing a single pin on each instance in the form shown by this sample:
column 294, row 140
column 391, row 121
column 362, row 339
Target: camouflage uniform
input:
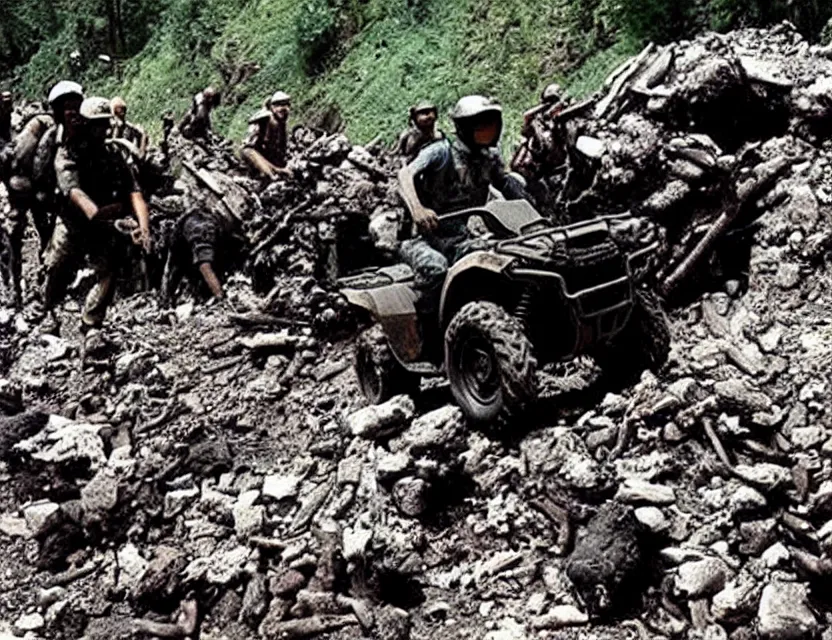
column 412, row 140
column 450, row 177
column 108, row 177
column 267, row 135
column 32, row 180
column 202, row 235
column 133, row 133
column 31, row 188
column 197, row 121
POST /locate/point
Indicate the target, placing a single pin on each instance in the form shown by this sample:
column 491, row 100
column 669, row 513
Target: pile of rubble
column 198, row 473
column 308, row 230
column 680, row 135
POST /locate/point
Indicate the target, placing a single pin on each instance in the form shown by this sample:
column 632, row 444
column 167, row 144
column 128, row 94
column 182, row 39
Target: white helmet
column 63, row 89
column 471, row 106
column 280, row 97
column 468, row 110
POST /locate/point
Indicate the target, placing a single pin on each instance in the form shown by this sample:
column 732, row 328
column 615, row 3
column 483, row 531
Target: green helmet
column 471, row 106
column 96, row 108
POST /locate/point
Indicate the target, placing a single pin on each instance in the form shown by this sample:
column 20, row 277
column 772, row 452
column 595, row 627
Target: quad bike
column 534, row 294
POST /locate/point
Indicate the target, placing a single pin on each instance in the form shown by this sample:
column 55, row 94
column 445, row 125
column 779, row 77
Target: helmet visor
column 486, row 128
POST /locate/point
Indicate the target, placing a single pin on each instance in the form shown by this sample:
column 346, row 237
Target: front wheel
column 490, row 363
column 380, row 375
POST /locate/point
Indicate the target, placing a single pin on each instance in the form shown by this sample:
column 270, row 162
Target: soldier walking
column 98, row 185
column 32, row 183
column 196, row 123
column 123, row 129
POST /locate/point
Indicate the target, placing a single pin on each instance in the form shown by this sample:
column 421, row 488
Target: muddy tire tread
column 512, row 348
column 395, row 378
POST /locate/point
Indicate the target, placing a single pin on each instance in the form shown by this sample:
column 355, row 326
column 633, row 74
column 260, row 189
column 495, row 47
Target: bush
column 826, row 34
column 50, row 63
column 657, row 21
column 733, row 14
column 317, row 28
column 23, row 26
column 141, row 19
column 806, row 15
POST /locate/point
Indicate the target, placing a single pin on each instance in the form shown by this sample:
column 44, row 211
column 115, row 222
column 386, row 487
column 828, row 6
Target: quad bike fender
column 480, row 262
column 394, row 308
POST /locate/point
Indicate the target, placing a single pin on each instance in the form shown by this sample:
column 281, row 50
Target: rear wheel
column 643, row 344
column 490, row 363
column 380, row 375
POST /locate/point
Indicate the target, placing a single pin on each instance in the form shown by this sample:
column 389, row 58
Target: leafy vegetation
column 360, row 62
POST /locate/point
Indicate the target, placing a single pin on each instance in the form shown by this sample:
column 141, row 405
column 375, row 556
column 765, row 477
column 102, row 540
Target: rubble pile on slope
column 195, row 473
column 677, row 136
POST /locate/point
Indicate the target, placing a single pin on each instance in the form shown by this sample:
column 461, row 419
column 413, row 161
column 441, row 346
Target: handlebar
column 505, row 218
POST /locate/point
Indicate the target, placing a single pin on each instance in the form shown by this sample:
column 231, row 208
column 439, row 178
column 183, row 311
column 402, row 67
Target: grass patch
column 592, row 74
column 388, row 55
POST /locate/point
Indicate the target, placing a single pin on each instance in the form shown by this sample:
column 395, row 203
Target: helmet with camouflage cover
column 423, row 106
column 96, row 108
column 280, row 97
column 473, row 113
column 118, row 103
column 63, row 90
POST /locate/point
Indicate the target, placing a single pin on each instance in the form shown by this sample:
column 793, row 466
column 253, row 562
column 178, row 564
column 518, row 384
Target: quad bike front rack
column 600, row 286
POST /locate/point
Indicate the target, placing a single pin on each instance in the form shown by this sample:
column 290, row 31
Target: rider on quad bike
column 450, row 176
column 526, row 293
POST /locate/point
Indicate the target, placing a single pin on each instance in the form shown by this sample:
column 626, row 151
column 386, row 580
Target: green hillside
column 363, row 61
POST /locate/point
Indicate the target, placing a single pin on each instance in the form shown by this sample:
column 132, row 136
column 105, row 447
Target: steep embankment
column 358, row 61
column 385, row 57
column 212, row 475
column 366, row 61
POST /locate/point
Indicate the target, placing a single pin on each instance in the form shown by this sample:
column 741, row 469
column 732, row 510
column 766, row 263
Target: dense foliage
column 358, row 61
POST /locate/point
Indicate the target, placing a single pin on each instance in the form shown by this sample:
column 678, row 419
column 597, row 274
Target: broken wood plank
column 619, row 85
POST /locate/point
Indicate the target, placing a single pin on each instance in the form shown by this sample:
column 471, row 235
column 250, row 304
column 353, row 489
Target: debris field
column 210, row 470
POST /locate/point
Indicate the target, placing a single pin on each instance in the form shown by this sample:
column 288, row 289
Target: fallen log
column 309, row 627
column 559, row 516
column 185, row 625
column 619, row 85
column 746, row 192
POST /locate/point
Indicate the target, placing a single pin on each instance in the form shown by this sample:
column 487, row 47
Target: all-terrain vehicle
column 534, row 294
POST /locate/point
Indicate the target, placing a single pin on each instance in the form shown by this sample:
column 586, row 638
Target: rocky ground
column 210, row 471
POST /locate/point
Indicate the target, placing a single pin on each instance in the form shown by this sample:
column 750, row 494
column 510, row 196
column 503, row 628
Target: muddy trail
column 212, row 470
